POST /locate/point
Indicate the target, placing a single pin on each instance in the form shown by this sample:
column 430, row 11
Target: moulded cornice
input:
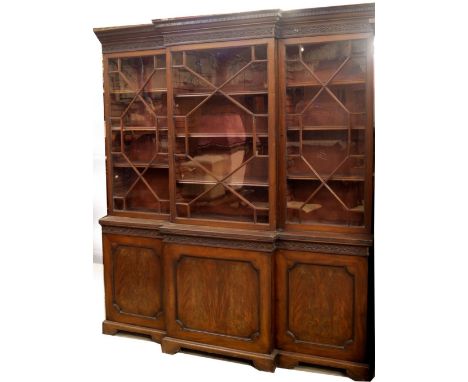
column 271, row 23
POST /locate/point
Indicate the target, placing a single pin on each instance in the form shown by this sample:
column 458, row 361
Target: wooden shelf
column 221, row 135
column 139, row 164
column 248, row 183
column 338, row 178
column 159, row 90
column 231, row 93
column 351, row 56
column 139, row 128
column 324, row 128
column 315, row 84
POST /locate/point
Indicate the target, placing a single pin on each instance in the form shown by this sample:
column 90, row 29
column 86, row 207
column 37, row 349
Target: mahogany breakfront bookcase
column 240, row 180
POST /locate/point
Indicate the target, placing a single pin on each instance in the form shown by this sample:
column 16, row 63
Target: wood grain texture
column 321, row 304
column 136, row 274
column 219, row 296
column 133, row 279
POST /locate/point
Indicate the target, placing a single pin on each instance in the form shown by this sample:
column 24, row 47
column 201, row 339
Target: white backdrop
column 52, row 125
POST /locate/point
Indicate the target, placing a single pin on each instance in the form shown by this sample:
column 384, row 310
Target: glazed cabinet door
column 219, row 296
column 322, row 304
column 137, row 134
column 222, row 102
column 327, row 132
column 133, row 278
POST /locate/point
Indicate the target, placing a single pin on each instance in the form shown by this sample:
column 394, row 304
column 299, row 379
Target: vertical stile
column 281, row 158
column 369, row 135
column 170, row 134
column 272, row 106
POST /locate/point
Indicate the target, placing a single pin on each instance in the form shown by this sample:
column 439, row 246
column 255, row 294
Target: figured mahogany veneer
column 240, row 160
column 134, row 280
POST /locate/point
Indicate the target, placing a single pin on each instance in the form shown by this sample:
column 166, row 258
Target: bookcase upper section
column 255, row 120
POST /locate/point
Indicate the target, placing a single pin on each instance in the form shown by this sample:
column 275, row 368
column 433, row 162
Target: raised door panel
column 134, row 280
column 322, row 304
column 219, row 296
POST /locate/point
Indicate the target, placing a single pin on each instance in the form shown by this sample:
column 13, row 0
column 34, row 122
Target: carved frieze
column 325, row 29
column 130, row 231
column 121, row 46
column 220, row 35
column 220, row 242
column 238, row 26
column 324, row 247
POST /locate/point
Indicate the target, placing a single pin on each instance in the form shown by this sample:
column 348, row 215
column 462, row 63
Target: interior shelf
column 139, row 164
column 139, row 128
column 324, row 128
column 248, row 183
column 160, row 90
column 231, row 93
column 319, row 85
column 221, row 135
column 340, row 178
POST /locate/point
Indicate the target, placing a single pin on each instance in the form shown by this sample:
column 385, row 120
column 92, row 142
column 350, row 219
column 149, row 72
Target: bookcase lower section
column 273, row 306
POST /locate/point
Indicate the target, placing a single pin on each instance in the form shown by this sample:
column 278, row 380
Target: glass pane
column 326, row 120
column 352, row 97
column 207, row 160
column 139, row 147
column 260, row 52
column 219, row 202
column 297, row 74
column 187, row 84
column 311, row 202
column 136, row 70
column 150, row 193
column 353, row 71
column 218, row 65
column 252, row 78
column 122, row 179
column 157, row 81
column 118, row 84
column 324, row 59
column 325, row 111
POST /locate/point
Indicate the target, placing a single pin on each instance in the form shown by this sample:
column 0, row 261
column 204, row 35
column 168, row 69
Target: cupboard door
column 219, row 296
column 322, row 304
column 133, row 279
